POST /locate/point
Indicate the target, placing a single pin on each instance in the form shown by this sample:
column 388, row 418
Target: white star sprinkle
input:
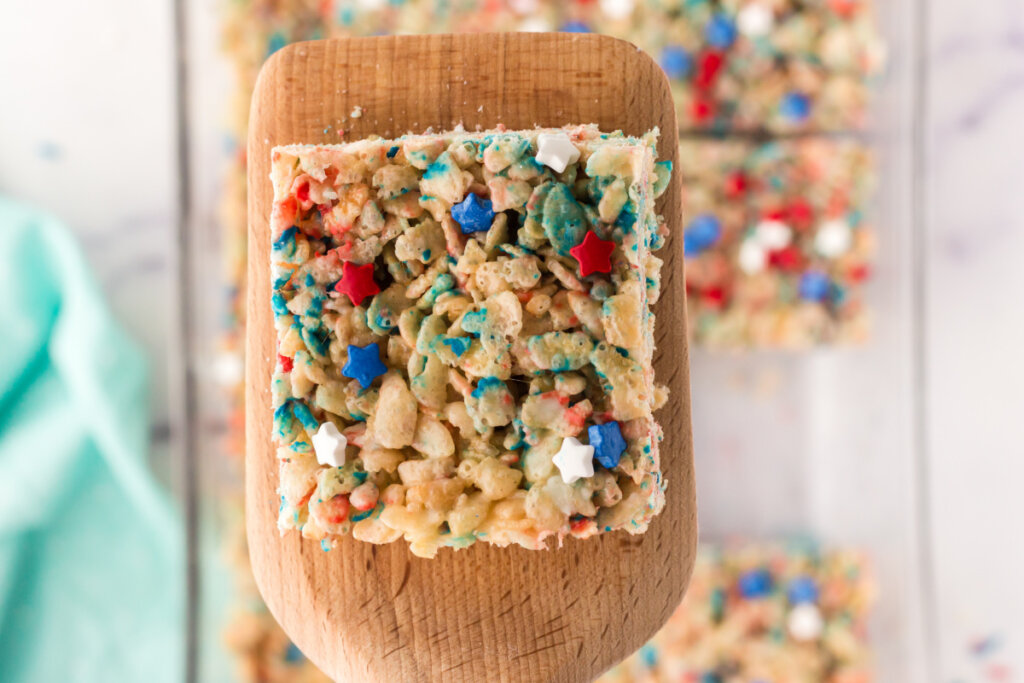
column 556, row 151
column 523, row 6
column 574, row 460
column 228, row 369
column 805, row 623
column 329, row 445
column 773, row 235
column 535, row 25
column 752, row 257
column 617, row 9
column 755, row 20
column 833, row 239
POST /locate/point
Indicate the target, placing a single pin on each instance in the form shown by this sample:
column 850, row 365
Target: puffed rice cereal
column 794, row 612
column 436, row 302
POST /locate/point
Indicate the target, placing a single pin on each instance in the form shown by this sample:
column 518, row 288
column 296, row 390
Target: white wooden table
column 913, row 446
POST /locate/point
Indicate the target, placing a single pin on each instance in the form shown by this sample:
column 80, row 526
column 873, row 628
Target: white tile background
column 913, row 446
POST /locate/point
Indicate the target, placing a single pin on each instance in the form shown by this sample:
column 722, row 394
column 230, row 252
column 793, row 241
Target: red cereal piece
column 286, row 363
column 580, row 524
column 309, row 494
column 336, row 509
column 356, row 282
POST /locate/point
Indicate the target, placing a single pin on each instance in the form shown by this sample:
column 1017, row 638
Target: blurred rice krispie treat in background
column 778, row 66
column 262, row 652
column 781, row 613
column 778, row 242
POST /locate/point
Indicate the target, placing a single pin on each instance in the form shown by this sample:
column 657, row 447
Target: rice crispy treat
column 465, row 337
column 778, row 246
column 779, row 66
column 764, row 612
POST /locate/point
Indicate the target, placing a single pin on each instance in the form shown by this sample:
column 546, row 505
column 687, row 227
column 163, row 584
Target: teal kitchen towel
column 91, row 580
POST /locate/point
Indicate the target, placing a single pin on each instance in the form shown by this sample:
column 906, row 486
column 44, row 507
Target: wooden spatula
column 377, row 613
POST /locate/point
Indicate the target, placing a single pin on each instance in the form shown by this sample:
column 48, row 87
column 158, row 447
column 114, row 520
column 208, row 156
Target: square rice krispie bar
column 778, row 66
column 465, row 336
column 793, row 613
column 777, row 241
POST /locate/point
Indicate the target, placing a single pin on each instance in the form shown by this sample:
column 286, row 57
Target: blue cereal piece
column 487, row 384
column 316, row 338
column 293, row 655
column 564, row 220
column 364, row 364
column 473, row 214
column 305, row 416
column 444, row 282
column 649, row 656
column 278, row 303
column 285, row 243
column 474, row 322
column 701, row 234
column 276, row 42
column 458, row 345
column 360, row 516
column 756, row 583
column 607, row 442
column 282, row 418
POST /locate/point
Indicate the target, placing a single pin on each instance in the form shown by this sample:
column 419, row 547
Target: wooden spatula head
column 371, row 613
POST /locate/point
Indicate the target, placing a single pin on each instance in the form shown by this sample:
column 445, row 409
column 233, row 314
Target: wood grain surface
column 377, row 613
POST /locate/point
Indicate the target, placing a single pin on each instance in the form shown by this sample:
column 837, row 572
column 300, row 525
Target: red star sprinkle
column 736, row 185
column 702, row 109
column 801, row 213
column 789, row 259
column 357, row 282
column 594, row 254
column 708, row 66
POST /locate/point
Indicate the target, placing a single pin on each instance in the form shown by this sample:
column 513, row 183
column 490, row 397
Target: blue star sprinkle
column 757, row 583
column 473, row 214
column 795, row 106
column 702, row 232
column 675, row 61
column 720, row 32
column 574, row 27
column 802, row 589
column 607, row 442
column 814, row 286
column 364, row 364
